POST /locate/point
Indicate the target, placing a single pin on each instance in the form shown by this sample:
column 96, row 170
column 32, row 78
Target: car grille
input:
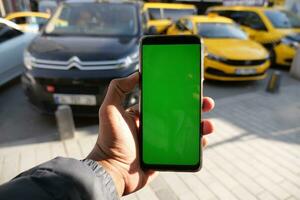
column 76, row 63
column 244, row 62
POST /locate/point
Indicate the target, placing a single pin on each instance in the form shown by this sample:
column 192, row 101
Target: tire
column 272, row 57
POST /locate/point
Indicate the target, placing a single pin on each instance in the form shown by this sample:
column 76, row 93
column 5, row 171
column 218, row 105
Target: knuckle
column 114, row 82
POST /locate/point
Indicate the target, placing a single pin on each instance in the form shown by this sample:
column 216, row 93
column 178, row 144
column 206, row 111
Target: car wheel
column 272, row 57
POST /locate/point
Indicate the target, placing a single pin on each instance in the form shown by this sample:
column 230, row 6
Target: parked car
column 73, row 62
column 230, row 55
column 29, row 21
column 158, row 16
column 12, row 44
column 277, row 29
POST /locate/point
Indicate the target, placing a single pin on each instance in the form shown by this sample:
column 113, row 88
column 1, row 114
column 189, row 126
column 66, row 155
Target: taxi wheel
column 272, row 57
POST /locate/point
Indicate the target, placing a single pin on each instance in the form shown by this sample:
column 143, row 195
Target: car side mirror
column 180, row 26
column 152, row 30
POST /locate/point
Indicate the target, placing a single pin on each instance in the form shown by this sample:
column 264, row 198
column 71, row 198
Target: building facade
column 8, row 6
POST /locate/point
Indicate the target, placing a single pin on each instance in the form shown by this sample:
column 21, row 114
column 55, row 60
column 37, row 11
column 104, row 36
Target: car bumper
column 284, row 54
column 94, row 83
column 219, row 71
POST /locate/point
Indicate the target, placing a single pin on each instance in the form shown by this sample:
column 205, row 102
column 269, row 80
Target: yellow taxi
column 229, row 54
column 158, row 16
column 29, row 21
column 277, row 29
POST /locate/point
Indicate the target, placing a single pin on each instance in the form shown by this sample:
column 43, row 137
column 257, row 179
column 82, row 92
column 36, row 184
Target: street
column 21, row 123
column 253, row 153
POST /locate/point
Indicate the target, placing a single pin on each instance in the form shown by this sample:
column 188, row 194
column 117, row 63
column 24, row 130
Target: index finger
column 118, row 88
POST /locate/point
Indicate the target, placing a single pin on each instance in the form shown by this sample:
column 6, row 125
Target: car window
column 220, row 30
column 154, row 13
column 8, row 33
column 38, row 20
column 95, row 19
column 283, row 19
column 20, row 20
column 245, row 18
column 175, row 14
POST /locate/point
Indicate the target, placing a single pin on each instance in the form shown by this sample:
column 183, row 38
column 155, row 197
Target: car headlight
column 28, row 60
column 132, row 58
column 215, row 57
column 289, row 42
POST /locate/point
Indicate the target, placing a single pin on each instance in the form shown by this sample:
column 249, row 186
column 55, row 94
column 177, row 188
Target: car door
column 12, row 44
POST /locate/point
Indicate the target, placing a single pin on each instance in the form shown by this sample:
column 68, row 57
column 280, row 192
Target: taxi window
column 40, row 20
column 20, row 20
column 7, row 33
column 245, row 18
column 154, row 13
column 175, row 14
column 283, row 19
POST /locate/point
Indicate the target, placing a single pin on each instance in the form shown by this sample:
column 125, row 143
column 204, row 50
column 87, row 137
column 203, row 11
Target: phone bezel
column 183, row 39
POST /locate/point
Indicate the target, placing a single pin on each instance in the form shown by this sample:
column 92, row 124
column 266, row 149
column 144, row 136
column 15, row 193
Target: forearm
column 62, row 178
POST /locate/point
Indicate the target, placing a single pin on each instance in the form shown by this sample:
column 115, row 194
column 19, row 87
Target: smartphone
column 170, row 103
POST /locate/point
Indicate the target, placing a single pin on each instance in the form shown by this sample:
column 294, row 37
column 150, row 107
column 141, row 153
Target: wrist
column 112, row 169
column 115, row 174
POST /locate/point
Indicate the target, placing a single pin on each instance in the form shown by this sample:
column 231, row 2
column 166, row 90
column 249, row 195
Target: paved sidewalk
column 254, row 153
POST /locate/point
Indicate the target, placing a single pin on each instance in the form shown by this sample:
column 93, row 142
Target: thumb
column 118, row 88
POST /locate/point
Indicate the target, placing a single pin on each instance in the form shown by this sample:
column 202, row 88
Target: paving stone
column 266, row 196
column 27, row 159
column 242, row 193
column 291, row 188
column 273, row 188
column 57, row 149
column 146, row 194
column 187, row 196
column 11, row 166
column 196, row 186
column 162, row 189
column 221, row 192
column 165, row 194
column 73, row 149
column 175, row 183
column 42, row 153
column 130, row 197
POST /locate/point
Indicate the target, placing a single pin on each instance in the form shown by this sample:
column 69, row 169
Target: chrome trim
column 76, row 62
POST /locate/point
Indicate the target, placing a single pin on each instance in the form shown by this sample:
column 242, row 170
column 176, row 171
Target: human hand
column 117, row 148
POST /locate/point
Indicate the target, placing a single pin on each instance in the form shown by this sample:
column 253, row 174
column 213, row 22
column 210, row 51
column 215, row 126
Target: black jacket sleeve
column 61, row 178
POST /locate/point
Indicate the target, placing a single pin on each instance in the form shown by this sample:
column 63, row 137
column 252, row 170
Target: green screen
column 171, row 104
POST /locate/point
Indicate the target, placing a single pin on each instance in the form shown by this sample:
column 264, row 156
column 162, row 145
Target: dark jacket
column 61, row 178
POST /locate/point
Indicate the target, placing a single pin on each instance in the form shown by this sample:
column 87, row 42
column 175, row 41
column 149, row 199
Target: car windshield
column 98, row 19
column 175, row 14
column 220, row 30
column 283, row 19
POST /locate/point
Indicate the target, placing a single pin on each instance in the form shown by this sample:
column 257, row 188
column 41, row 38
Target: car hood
column 236, row 49
column 85, row 48
column 284, row 32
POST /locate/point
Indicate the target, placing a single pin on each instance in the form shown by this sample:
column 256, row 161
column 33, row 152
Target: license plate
column 245, row 71
column 75, row 99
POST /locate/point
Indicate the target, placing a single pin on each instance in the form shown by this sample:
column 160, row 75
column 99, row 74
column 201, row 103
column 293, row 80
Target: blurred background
column 58, row 57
